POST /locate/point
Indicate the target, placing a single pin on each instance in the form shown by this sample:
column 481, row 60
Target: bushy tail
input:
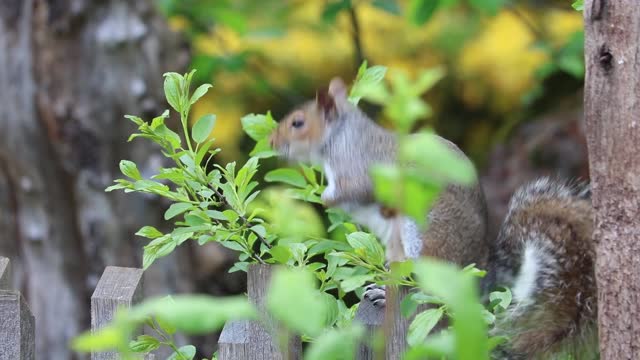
column 545, row 254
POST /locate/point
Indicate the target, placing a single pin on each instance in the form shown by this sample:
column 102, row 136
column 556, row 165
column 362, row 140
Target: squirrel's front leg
column 342, row 189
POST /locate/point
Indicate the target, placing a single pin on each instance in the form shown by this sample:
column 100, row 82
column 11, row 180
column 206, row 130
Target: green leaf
column 371, row 249
column 437, row 346
column 149, row 232
column 280, row 253
column 494, row 341
column 148, row 258
column 176, row 209
column 202, row 128
column 159, row 120
column 309, row 174
column 169, row 135
column 263, row 150
column 144, row 343
column 172, row 84
column 366, row 80
column 107, row 338
column 355, row 282
column 436, row 161
column 215, row 214
column 239, row 266
column 129, row 168
column 233, row 245
column 460, row 293
column 501, row 299
column 258, row 126
column 230, row 215
column 422, row 325
column 186, row 352
column 123, row 184
column 472, row 270
column 490, row 7
column 166, row 327
column 138, row 121
column 200, row 91
column 203, row 151
column 408, row 306
column 336, row 344
column 166, row 248
column 325, row 246
column 195, row 314
column 427, row 79
column 420, row 11
column 287, row 176
column 578, row 5
column 291, row 296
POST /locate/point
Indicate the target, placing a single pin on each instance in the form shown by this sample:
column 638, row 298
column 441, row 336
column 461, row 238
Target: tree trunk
column 612, row 110
column 69, row 71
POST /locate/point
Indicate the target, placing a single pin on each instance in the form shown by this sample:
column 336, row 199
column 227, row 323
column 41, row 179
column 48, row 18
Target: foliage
column 506, row 61
column 220, row 203
column 578, row 5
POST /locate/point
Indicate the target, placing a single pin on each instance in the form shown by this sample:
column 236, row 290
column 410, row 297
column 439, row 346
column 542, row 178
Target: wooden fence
column 122, row 287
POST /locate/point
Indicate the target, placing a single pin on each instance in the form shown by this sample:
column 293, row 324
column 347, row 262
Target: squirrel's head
column 301, row 133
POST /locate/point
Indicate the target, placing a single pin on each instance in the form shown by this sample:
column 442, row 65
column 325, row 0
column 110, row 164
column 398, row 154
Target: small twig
column 244, row 219
column 357, row 43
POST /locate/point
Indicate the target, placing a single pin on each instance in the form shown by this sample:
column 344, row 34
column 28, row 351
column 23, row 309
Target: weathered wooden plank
column 387, row 322
column 5, row 274
column 234, row 340
column 396, row 325
column 249, row 339
column 118, row 287
column 17, row 327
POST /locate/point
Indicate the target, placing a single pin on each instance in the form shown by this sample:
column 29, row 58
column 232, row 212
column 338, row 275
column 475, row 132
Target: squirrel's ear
column 337, row 88
column 325, row 102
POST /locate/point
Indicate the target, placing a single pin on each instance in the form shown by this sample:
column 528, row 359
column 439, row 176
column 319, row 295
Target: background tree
column 613, row 132
column 68, row 72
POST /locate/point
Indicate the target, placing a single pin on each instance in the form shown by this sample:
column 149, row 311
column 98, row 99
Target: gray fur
column 559, row 316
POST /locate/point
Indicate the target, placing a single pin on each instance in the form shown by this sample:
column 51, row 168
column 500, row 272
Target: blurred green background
column 506, row 62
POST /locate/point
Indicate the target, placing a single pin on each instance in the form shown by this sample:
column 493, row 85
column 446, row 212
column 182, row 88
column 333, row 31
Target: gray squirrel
column 543, row 251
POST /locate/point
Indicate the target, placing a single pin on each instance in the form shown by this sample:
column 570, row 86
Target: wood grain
column 17, row 327
column 118, row 287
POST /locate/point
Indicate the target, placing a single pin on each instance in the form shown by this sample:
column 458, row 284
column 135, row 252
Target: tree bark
column 612, row 110
column 69, row 71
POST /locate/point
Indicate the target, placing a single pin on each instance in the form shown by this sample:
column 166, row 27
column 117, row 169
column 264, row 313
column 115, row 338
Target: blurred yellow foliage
column 495, row 67
column 561, row 24
column 502, row 58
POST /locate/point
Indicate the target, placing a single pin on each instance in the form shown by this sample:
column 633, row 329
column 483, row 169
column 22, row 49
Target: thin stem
column 244, row 219
column 357, row 42
column 183, row 119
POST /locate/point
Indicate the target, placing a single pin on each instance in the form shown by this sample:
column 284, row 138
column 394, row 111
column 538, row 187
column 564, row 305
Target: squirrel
column 543, row 250
column 332, row 132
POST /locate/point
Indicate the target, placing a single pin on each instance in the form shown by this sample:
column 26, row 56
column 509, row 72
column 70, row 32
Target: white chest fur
column 370, row 217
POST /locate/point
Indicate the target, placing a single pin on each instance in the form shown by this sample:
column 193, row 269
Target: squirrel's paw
column 376, row 294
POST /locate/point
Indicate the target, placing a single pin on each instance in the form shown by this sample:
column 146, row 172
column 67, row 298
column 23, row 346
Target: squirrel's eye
column 297, row 123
